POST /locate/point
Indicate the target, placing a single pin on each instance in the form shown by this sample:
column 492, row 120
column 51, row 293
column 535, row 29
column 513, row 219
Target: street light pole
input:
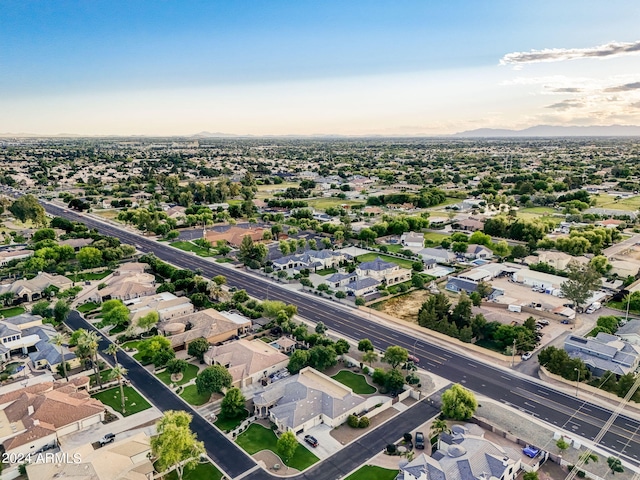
column 577, row 380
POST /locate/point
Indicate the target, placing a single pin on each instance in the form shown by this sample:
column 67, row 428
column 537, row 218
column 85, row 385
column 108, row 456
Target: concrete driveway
column 327, row 445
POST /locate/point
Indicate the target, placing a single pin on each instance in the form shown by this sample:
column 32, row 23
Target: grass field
column 357, row 383
column 369, row 472
column 257, row 438
column 324, row 203
column 110, row 214
column 192, row 397
column 191, row 247
column 609, row 201
column 203, row 471
column 447, row 201
column 189, row 374
column 87, row 307
column 83, row 277
column 368, row 257
column 325, row 271
column 11, row 312
column 226, row 424
column 134, row 402
column 435, row 237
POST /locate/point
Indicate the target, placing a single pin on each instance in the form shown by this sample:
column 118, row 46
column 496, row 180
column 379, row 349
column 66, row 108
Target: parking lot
column 520, row 294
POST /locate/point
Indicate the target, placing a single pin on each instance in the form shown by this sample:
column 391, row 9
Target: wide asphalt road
column 234, row 461
column 528, row 395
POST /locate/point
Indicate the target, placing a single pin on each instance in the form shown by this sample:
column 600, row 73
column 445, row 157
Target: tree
column 519, row 251
column 321, row 357
column 588, row 456
column 298, row 360
column 501, row 249
column 175, row 443
column 439, row 426
column 112, row 350
column 213, row 379
column 232, row 405
column 61, row 311
column 88, row 341
column 341, row 346
column 89, row 257
column 60, row 340
column 26, row 208
column 150, row 348
column 530, row 476
column 562, row 444
column 287, row 445
column 583, row 280
column 198, row 347
column 365, row 345
column 177, row 365
column 148, row 321
column 394, row 381
column 115, row 313
column 417, row 281
column 118, row 371
column 615, row 465
column 369, row 357
column 321, row 328
column 458, row 403
column 395, row 356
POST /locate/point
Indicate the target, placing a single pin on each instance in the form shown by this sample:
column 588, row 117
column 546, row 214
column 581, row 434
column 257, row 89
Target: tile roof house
column 439, row 254
column 464, row 456
column 310, row 259
column 32, row 290
column 247, row 361
column 166, row 304
column 387, row 272
column 412, row 240
column 126, row 459
column 8, row 255
column 340, row 279
column 76, row 243
column 216, row 327
column 36, row 416
column 604, row 352
column 305, row 400
column 126, row 286
column 362, row 286
column 470, row 225
column 477, row 251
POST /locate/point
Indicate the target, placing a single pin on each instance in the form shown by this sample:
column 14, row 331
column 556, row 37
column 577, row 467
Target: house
column 126, row 459
column 439, row 254
column 463, row 455
column 76, row 243
column 387, row 272
column 35, row 416
column 610, row 223
column 457, row 285
column 7, row 256
column 166, row 304
column 309, row 259
column 216, row 327
column 477, row 251
column 305, row 400
column 126, row 286
column 284, row 344
column 557, row 260
column 234, row 235
column 26, row 335
column 247, row 361
column 533, row 278
column 630, row 332
column 604, row 353
column 412, row 240
column 624, row 268
column 362, row 286
column 470, row 225
column 340, row 279
column 33, row 289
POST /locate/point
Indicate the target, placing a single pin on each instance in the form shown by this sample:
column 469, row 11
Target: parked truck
column 595, row 306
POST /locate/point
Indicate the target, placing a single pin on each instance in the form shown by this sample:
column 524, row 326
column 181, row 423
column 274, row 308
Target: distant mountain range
column 556, row 131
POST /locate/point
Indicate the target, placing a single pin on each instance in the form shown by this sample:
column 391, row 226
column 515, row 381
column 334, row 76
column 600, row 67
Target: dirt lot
column 518, row 294
column 405, row 307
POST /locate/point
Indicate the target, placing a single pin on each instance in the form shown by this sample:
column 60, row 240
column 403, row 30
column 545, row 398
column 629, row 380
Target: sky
column 357, row 67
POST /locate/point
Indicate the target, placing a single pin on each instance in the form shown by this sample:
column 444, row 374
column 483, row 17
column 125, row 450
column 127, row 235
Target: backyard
column 356, row 382
column 87, row 307
column 11, row 312
column 257, row 438
column 192, row 397
column 84, row 277
column 189, row 374
column 368, row 257
column 369, row 472
column 134, row 402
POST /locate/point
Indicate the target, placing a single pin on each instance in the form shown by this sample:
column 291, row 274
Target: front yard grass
column 12, row 312
column 105, row 376
column 87, row 307
column 356, row 382
column 192, row 247
column 192, row 397
column 227, row 424
column 189, row 374
column 134, row 402
column 257, row 438
column 203, row 471
column 368, row 257
column 370, row 472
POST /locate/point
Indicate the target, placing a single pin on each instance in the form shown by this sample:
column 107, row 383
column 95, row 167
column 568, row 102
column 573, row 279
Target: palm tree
column 119, row 371
column 439, row 426
column 60, row 340
column 112, row 349
column 89, row 342
column 370, row 357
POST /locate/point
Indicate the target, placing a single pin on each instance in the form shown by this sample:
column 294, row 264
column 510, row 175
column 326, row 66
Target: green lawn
column 369, row 472
column 447, row 201
column 192, row 247
column 83, row 277
column 257, row 438
column 226, row 424
column 192, row 397
column 204, row 471
column 357, row 383
column 132, row 344
column 325, row 271
column 324, row 203
column 224, row 260
column 12, row 312
column 609, row 201
column 368, row 257
column 189, row 374
column 105, row 376
column 134, row 402
column 538, row 210
column 87, row 307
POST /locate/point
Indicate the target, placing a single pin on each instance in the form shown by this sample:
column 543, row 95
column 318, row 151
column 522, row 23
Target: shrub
column 407, row 437
column 391, row 449
column 363, row 422
column 353, row 421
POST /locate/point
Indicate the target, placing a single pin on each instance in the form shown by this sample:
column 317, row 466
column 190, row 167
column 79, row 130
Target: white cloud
column 611, row 49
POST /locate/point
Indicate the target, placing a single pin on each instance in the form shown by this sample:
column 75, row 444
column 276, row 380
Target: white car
column 526, row 356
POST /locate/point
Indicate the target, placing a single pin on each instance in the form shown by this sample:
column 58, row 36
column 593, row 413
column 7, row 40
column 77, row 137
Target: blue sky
column 303, row 67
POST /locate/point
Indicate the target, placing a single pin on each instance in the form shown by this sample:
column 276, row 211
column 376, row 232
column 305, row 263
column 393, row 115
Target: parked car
column 311, row 440
column 108, row 438
column 565, row 322
column 420, row 440
column 526, row 356
column 543, row 322
column 413, row 358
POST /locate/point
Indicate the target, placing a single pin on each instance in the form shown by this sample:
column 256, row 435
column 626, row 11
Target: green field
column 83, row 277
column 257, row 438
column 87, row 307
column 203, row 471
column 538, row 210
column 189, row 374
column 368, row 257
column 192, row 247
column 435, row 237
column 11, row 312
column 324, row 203
column 609, row 201
column 447, row 201
column 356, row 382
column 369, row 472
column 192, row 397
column 134, row 402
column 325, row 271
column 132, row 344
column 228, row 424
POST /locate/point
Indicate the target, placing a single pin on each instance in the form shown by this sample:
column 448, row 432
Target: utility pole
column 513, row 352
column 577, row 380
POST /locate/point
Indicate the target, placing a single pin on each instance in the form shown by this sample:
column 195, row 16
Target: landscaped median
column 257, row 438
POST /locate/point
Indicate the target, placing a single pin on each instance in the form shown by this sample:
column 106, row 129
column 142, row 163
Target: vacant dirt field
column 406, row 306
